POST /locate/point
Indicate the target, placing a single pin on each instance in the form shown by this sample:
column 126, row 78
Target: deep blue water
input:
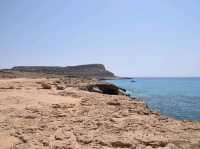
column 173, row 97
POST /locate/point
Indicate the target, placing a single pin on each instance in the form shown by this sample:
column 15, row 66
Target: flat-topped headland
column 47, row 110
column 97, row 71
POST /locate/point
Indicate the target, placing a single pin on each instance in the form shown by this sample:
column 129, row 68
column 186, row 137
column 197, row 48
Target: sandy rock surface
column 35, row 118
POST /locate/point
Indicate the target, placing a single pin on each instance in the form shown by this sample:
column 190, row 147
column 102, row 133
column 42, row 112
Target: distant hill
column 89, row 71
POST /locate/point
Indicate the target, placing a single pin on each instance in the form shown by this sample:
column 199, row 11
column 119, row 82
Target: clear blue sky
column 131, row 37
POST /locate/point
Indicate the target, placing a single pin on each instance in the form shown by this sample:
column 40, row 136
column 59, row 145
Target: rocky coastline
column 75, row 113
column 40, row 109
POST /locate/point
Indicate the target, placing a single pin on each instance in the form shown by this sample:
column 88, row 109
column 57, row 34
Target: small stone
column 114, row 103
column 59, row 135
column 46, row 86
column 59, row 87
column 56, row 106
column 120, row 144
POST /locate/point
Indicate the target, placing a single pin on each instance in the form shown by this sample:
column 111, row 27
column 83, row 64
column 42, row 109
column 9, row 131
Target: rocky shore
column 74, row 113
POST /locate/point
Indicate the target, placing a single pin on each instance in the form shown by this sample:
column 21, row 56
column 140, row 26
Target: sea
column 178, row 98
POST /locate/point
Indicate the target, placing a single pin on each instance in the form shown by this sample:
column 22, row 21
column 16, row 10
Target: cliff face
column 88, row 71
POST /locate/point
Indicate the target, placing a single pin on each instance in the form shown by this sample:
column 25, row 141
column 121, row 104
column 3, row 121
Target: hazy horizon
column 131, row 38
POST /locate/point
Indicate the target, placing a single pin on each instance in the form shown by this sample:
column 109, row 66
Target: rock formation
column 32, row 117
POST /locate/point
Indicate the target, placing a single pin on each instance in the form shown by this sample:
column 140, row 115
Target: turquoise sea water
column 174, row 97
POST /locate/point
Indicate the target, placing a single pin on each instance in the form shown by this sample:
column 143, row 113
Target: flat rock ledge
column 35, row 118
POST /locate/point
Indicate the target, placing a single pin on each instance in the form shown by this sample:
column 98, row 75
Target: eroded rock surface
column 32, row 117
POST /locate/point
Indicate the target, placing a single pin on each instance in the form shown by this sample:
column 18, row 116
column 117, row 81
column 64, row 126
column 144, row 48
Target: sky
column 130, row 37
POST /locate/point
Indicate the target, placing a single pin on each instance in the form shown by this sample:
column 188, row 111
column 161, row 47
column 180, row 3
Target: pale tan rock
column 46, row 86
column 77, row 119
column 7, row 141
column 60, row 87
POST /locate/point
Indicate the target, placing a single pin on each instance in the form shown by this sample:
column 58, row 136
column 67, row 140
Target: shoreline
column 60, row 114
column 174, row 113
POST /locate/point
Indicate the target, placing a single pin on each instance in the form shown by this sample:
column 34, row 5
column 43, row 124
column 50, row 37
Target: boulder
column 105, row 88
column 46, row 86
column 60, row 87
